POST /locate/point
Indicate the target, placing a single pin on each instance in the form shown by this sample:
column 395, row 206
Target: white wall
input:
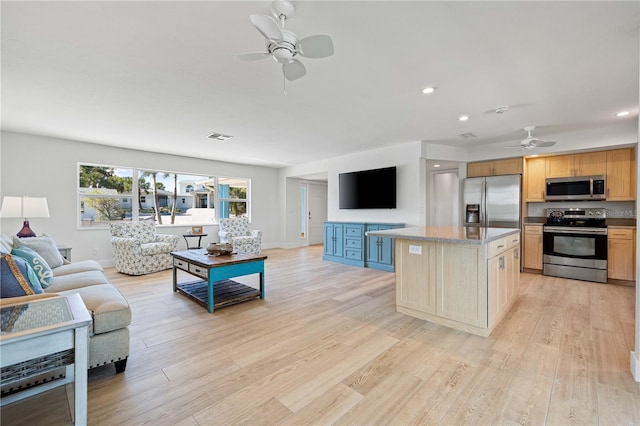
column 410, row 189
column 43, row 166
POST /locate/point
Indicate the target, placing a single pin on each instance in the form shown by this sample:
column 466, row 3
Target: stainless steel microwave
column 575, row 188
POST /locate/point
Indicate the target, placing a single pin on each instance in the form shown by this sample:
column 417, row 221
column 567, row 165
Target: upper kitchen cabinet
column 510, row 166
column 585, row 164
column 534, row 180
column 621, row 175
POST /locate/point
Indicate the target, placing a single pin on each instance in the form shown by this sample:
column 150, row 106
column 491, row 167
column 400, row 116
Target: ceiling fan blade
column 542, row 144
column 252, row 56
column 267, row 26
column 317, row 46
column 293, row 70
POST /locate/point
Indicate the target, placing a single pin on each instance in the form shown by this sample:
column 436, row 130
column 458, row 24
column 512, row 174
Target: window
column 233, row 194
column 110, row 193
column 104, row 193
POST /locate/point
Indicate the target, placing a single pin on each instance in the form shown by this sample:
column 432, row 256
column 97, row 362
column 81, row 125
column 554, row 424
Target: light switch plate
column 415, row 249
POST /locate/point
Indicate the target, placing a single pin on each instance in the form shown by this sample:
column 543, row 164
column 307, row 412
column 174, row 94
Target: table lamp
column 24, row 207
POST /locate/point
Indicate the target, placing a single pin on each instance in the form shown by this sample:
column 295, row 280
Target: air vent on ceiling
column 467, row 135
column 219, row 137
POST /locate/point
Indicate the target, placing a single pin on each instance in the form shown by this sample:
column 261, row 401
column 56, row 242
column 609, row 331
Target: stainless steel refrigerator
column 493, row 201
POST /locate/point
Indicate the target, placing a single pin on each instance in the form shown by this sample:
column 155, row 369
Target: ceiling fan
column 283, row 45
column 530, row 142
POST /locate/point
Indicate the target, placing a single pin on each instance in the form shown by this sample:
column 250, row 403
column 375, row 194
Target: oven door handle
column 565, row 230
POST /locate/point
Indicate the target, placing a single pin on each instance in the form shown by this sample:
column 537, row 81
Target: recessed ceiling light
column 533, row 155
column 219, row 137
column 428, row 90
column 622, row 113
column 436, row 165
column 463, row 118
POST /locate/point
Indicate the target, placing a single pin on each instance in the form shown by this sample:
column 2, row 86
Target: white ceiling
column 160, row 76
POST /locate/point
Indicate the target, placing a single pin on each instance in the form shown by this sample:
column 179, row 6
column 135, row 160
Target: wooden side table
column 43, row 335
column 187, row 236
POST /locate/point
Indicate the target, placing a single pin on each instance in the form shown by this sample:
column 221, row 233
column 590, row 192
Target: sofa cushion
column 150, row 249
column 6, row 244
column 44, row 246
column 37, row 263
column 108, row 307
column 75, row 267
column 17, row 278
column 76, row 281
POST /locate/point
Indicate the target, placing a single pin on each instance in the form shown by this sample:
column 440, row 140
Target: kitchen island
column 462, row 277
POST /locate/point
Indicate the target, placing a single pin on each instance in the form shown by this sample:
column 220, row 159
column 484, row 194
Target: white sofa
column 109, row 309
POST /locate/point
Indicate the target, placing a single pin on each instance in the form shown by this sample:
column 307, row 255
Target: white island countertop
column 448, row 234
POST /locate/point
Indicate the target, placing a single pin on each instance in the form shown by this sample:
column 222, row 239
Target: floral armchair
column 139, row 250
column 236, row 232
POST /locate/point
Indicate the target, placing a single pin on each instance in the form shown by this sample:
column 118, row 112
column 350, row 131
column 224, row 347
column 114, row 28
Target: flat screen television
column 368, row 189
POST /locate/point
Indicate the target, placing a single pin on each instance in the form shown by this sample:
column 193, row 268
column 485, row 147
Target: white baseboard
column 635, row 366
column 107, row 263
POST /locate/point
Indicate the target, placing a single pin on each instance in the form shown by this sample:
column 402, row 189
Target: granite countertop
column 448, row 234
column 626, row 222
column 535, row 220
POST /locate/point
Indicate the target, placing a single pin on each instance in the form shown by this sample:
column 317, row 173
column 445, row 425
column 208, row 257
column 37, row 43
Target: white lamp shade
column 24, row 207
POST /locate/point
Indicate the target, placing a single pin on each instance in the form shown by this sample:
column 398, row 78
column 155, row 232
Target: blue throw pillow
column 17, row 277
column 37, row 263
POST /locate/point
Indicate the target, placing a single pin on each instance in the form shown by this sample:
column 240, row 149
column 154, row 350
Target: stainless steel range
column 575, row 244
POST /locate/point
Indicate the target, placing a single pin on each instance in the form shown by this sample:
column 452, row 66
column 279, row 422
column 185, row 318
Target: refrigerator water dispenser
column 473, row 213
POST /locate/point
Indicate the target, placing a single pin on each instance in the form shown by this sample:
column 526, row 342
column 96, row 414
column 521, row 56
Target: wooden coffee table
column 217, row 289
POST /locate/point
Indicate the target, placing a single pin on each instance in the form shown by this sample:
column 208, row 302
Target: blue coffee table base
column 225, row 292
column 218, row 290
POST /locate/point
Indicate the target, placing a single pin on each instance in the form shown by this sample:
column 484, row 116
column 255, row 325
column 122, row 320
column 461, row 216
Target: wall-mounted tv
column 368, row 189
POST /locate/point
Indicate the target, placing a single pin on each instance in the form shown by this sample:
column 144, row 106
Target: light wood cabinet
column 462, row 301
column 584, row 164
column 621, row 263
column 535, row 180
column 465, row 286
column 509, row 166
column 533, row 246
column 621, row 175
column 503, row 278
column 480, row 168
column 416, row 276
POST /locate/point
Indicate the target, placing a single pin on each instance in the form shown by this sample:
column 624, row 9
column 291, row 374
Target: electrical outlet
column 415, row 249
column 95, row 251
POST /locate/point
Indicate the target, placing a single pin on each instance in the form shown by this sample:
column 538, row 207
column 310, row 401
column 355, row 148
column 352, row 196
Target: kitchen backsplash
column 621, row 209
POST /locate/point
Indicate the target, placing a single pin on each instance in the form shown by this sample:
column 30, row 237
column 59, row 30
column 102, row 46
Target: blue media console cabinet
column 346, row 242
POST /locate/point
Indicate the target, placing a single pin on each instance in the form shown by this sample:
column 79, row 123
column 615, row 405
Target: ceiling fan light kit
column 283, row 45
column 531, row 142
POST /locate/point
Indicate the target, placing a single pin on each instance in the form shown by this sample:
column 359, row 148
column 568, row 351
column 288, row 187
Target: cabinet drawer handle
column 500, row 246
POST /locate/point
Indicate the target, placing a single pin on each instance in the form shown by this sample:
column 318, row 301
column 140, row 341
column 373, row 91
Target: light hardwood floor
column 326, row 346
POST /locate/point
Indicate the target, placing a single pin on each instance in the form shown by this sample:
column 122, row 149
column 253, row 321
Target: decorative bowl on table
column 219, row 249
